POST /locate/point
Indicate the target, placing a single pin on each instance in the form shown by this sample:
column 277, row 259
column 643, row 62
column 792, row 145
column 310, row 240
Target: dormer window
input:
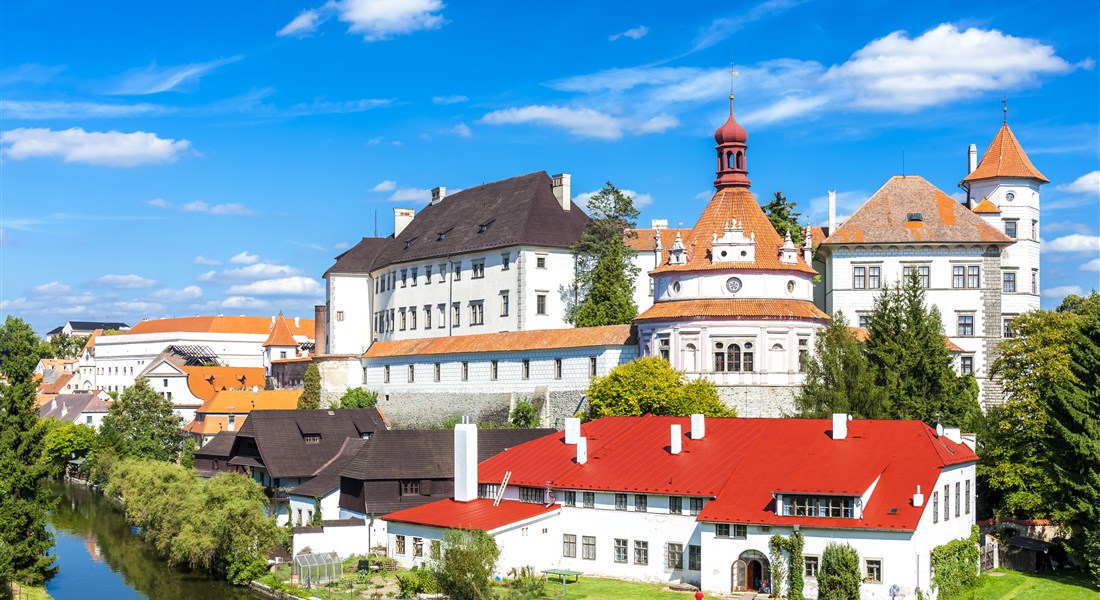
column 442, row 235
column 837, row 507
column 915, row 217
column 312, row 438
column 483, row 228
column 408, row 243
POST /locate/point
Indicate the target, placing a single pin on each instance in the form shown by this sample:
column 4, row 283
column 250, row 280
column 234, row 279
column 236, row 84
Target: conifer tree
column 605, row 274
column 784, row 219
column 839, row 378
column 311, row 395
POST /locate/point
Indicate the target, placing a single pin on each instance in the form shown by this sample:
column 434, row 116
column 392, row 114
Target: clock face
column 733, row 284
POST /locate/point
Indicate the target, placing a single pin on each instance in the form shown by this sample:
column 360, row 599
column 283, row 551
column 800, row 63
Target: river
column 101, row 560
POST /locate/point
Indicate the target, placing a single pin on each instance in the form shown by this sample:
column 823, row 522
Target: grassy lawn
column 1064, row 584
column 593, row 588
column 26, row 592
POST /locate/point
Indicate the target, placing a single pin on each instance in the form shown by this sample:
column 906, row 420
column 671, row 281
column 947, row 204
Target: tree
column 465, row 570
column 141, row 424
column 784, row 219
column 63, row 345
column 20, row 349
column 358, row 397
column 651, row 386
column 63, row 441
column 839, row 377
column 187, row 456
column 839, row 576
column 311, row 395
column 524, row 415
column 317, row 520
column 604, row 275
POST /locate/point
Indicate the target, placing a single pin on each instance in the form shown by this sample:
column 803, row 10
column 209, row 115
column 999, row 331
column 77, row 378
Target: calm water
column 100, row 560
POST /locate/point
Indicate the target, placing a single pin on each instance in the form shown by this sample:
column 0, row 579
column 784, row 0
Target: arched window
column 733, row 357
column 730, row 160
column 690, row 355
column 740, row 161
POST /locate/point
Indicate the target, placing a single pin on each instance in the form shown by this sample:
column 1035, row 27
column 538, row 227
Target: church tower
column 732, row 140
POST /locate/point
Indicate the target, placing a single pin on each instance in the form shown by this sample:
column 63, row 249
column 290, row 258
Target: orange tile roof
column 1005, row 158
column 212, row 424
column 734, row 203
column 818, row 235
column 58, row 384
column 204, row 382
column 243, row 401
column 90, row 344
column 280, row 334
column 884, row 218
column 862, row 335
column 220, row 324
column 733, row 307
column 986, row 207
column 644, row 241
column 608, row 335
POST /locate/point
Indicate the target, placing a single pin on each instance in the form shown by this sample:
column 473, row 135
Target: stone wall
column 758, row 401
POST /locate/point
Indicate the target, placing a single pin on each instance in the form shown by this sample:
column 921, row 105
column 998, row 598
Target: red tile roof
column 630, row 454
column 986, row 207
column 280, row 334
column 219, row 324
column 1005, row 158
column 541, row 339
column 645, row 239
column 58, row 384
column 476, row 514
column 205, row 382
column 734, row 203
column 732, row 308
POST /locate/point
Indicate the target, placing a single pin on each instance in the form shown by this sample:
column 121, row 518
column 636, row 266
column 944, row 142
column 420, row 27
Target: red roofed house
column 667, row 499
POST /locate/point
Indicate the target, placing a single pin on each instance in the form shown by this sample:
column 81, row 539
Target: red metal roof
column 740, row 463
column 476, row 514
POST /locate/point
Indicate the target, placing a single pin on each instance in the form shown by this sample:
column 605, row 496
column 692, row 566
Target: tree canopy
column 63, row 345
column 839, row 576
column 311, row 394
column 465, row 570
column 20, row 349
column 651, row 386
column 141, row 424
column 357, row 397
column 604, row 275
column 839, row 377
column 784, row 219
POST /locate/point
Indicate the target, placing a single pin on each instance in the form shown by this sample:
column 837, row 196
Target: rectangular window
column 540, row 261
column 973, row 276
column 339, row 316
column 864, row 321
column 675, row 505
column 418, row 547
column 569, row 545
column 312, row 438
column 410, row 487
column 935, row 507
column 441, row 310
column 588, row 499
column 570, row 498
column 859, row 278
column 412, row 317
column 809, row 566
column 1010, row 282
column 874, row 277
column 588, row 547
column 968, row 496
column 427, row 274
column 923, row 274
column 695, row 557
column 946, row 502
column 674, row 556
column 427, row 316
column 415, row 275
column 457, row 268
column 966, row 365
column 620, row 501
column 494, row 370
column 386, row 374
column 740, row 531
column 620, row 550
column 477, row 312
column 404, row 277
column 465, row 371
column 532, row 495
column 1010, row 229
column 641, row 502
column 403, row 320
column 442, row 272
column 1008, row 330
column 641, row 552
column 526, row 368
column 873, row 566
column 412, row 373
column 1034, row 285
column 477, row 269
column 722, row 530
column 399, row 545
column 958, row 493
column 540, row 304
column 958, row 276
column 966, row 325
column 557, row 368
column 591, row 366
column 504, row 303
column 505, row 261
column 438, row 371
column 1034, row 229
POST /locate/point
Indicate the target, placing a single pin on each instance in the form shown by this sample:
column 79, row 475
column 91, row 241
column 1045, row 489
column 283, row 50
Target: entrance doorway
column 749, row 572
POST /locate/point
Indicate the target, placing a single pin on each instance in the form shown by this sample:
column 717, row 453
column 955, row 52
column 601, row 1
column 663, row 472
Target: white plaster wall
column 353, row 296
column 344, row 540
column 643, row 291
column 330, row 507
column 754, row 284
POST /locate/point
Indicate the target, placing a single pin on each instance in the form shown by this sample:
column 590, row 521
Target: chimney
column 698, row 426
column 572, row 430
column 320, row 329
column 561, row 189
column 840, row 426
column 972, row 158
column 832, row 212
column 465, row 462
column 297, row 322
column 582, row 450
column 255, row 389
column 954, row 434
column 677, row 440
column 918, row 498
column 401, row 219
column 438, row 194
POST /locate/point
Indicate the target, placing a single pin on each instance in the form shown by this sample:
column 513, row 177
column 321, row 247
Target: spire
column 732, row 140
column 1005, row 158
column 1004, row 101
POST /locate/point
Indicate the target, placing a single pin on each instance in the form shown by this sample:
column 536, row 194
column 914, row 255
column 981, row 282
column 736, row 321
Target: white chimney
column 918, row 498
column 698, row 426
column 297, row 322
column 572, row 430
column 582, row 450
column 840, row 426
column 972, row 158
column 658, row 224
column 438, row 194
column 465, row 462
column 677, row 439
column 255, row 389
column 954, row 434
column 401, row 219
column 832, row 212
column 561, row 189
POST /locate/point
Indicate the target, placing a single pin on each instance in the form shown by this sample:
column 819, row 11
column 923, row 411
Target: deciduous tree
column 465, row 571
column 605, row 274
column 64, row 441
column 141, row 424
column 651, row 386
column 311, row 395
column 358, row 397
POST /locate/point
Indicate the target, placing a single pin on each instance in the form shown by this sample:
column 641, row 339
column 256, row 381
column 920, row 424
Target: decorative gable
column 733, row 246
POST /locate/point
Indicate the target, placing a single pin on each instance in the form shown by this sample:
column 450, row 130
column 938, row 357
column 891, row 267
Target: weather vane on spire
column 1004, row 101
column 733, row 74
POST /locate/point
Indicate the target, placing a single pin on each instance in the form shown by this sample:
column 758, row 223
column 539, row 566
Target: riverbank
column 26, row 592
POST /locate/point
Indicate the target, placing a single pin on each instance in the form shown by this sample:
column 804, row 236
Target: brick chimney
column 320, row 329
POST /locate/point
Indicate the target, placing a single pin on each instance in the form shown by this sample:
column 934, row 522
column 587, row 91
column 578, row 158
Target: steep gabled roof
column 280, row 436
column 68, row 407
column 1005, row 158
column 986, row 207
column 326, row 478
column 510, row 341
column 912, row 210
column 427, row 453
column 280, row 334
column 218, row 447
column 358, row 259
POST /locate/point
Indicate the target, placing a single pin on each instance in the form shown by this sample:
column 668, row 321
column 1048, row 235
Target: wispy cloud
column 111, row 148
column 57, row 109
column 284, row 286
column 190, row 292
column 154, row 79
column 1062, row 291
column 304, row 24
column 244, row 258
column 375, row 20
column 456, row 99
column 1087, row 184
column 410, row 195
column 387, row 185
column 52, row 288
column 31, row 73
column 1093, row 266
column 581, row 122
column 201, row 206
column 635, row 33
column 722, row 28
column 125, row 282
column 1075, row 242
column 462, row 130
column 252, row 272
column 202, row 260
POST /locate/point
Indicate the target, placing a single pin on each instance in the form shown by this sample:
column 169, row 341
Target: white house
column 81, row 408
column 666, row 499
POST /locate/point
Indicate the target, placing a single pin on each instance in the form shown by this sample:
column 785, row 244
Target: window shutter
column 425, row 487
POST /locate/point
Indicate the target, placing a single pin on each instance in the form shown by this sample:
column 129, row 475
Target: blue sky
column 208, row 157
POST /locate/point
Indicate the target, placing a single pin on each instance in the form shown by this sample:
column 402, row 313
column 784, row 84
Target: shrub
column 358, row 398
column 465, row 571
column 524, row 415
column 528, row 581
column 839, row 577
column 955, row 565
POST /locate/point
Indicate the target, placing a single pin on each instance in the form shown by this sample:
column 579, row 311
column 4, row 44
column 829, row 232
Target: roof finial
column 733, row 74
column 1004, row 101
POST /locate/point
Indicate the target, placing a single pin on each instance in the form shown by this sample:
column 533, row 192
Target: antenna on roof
column 376, row 222
column 903, row 162
column 1004, row 101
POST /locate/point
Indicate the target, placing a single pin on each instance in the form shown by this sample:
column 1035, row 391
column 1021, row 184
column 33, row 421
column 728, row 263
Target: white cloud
column 154, row 79
column 56, row 109
column 304, row 24
column 243, row 302
column 201, row 206
column 202, row 260
column 387, row 185
column 1062, row 291
column 783, row 109
column 285, row 286
column 581, row 122
column 341, row 246
column 411, row 195
column 112, row 148
column 462, row 130
column 640, row 200
column 52, row 288
column 721, row 28
column 455, row 99
column 127, row 282
column 261, row 270
column 244, row 258
column 190, row 292
column 635, row 33
column 138, row 307
column 1075, row 242
column 1093, row 265
column 1089, row 184
column 382, row 19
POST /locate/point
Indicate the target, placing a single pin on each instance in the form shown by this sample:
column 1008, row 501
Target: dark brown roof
column 218, row 447
column 885, row 218
column 358, row 258
column 520, row 210
column 427, row 453
column 327, row 477
column 280, row 436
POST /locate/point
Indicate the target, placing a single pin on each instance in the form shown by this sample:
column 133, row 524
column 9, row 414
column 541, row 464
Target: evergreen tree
column 311, row 395
column 141, row 424
column 839, row 377
column 604, row 276
column 839, row 576
column 784, row 219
